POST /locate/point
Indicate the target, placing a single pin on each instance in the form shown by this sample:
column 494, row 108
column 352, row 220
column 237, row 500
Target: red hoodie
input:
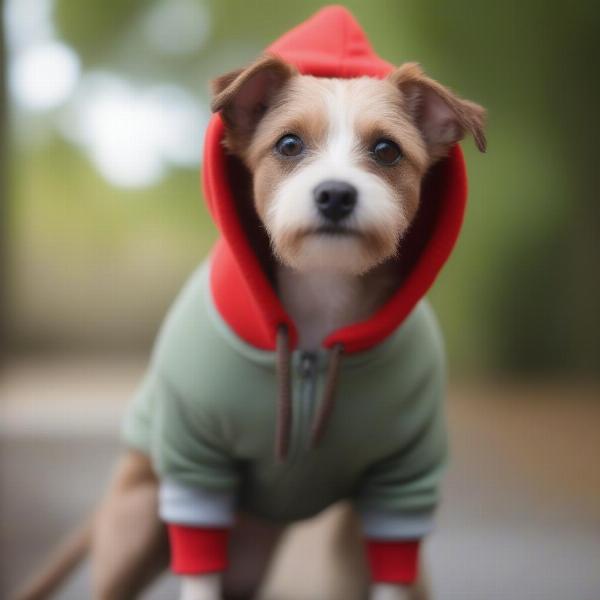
column 329, row 44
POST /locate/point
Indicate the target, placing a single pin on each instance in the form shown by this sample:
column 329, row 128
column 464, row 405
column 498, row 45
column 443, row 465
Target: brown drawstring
column 328, row 400
column 284, row 395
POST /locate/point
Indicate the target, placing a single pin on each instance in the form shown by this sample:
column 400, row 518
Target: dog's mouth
column 326, row 233
column 335, row 230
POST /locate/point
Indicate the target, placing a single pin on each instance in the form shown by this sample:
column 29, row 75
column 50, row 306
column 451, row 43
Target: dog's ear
column 442, row 117
column 244, row 96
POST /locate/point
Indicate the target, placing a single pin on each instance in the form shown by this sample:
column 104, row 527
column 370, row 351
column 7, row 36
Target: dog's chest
column 322, row 302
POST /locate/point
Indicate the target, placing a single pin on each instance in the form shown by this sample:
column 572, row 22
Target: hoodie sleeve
column 198, row 479
column 396, row 514
column 398, row 494
column 197, row 474
column 175, row 419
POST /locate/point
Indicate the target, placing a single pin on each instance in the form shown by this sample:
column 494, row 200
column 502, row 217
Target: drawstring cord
column 284, row 395
column 328, row 400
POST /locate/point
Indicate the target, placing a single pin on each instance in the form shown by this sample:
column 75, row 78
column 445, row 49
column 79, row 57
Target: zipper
column 308, row 361
column 304, row 406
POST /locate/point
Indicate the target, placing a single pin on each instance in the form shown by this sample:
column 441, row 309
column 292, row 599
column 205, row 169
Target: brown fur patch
column 244, row 96
column 419, row 90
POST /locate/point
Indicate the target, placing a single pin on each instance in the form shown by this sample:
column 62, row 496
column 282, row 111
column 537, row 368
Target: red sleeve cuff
column 393, row 561
column 197, row 550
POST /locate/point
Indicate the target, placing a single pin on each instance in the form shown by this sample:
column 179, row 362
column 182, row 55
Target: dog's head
column 337, row 164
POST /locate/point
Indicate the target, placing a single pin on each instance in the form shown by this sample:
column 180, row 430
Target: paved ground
column 520, row 518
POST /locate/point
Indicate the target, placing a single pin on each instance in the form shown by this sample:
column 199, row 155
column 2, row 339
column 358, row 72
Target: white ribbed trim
column 187, row 505
column 390, row 525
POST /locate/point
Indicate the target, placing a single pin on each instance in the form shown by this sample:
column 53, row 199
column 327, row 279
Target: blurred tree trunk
column 3, row 185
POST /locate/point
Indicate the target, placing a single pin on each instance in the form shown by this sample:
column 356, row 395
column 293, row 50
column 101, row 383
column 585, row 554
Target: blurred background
column 103, row 107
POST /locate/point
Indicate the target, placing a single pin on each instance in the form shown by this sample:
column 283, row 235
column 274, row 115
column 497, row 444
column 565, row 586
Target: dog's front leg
column 389, row 591
column 201, row 587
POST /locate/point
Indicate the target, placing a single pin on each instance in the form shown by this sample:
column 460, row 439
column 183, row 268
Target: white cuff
column 187, row 505
column 391, row 525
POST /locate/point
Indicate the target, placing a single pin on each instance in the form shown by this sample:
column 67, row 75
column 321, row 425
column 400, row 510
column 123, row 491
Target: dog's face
column 337, row 164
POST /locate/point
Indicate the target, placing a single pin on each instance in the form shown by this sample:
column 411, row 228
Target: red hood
column 329, row 44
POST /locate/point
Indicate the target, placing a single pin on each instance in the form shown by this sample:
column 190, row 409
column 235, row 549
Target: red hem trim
column 393, row 562
column 197, row 550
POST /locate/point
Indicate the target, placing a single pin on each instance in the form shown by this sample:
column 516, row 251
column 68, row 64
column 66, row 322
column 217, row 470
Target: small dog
column 337, row 167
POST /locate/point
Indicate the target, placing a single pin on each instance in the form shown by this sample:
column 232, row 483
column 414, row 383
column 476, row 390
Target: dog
column 334, row 173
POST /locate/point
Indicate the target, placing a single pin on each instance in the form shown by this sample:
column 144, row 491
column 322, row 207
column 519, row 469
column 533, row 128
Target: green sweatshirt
column 205, row 412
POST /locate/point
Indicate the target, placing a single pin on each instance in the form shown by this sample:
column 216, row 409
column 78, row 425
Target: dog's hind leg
column 129, row 542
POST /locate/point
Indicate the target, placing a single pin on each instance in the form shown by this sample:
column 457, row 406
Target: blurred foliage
column 92, row 27
column 521, row 293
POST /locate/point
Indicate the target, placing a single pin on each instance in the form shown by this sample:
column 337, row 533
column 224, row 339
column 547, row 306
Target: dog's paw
column 201, row 587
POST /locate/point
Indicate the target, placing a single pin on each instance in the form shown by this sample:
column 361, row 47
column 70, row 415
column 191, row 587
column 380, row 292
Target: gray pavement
column 520, row 518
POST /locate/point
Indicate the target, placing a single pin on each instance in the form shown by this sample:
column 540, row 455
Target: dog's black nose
column 335, row 199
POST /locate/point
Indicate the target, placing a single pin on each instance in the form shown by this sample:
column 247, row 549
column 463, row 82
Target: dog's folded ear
column 244, row 96
column 442, row 117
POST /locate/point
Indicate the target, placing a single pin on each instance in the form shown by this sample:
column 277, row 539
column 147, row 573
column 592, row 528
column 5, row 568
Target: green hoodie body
column 206, row 414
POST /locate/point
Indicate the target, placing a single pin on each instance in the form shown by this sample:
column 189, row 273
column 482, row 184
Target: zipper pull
column 307, row 363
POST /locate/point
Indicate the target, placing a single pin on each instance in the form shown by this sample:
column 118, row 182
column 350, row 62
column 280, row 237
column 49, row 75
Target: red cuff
column 393, row 561
column 196, row 550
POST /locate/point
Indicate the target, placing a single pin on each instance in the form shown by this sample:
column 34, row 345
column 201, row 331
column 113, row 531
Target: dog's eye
column 289, row 145
column 386, row 152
